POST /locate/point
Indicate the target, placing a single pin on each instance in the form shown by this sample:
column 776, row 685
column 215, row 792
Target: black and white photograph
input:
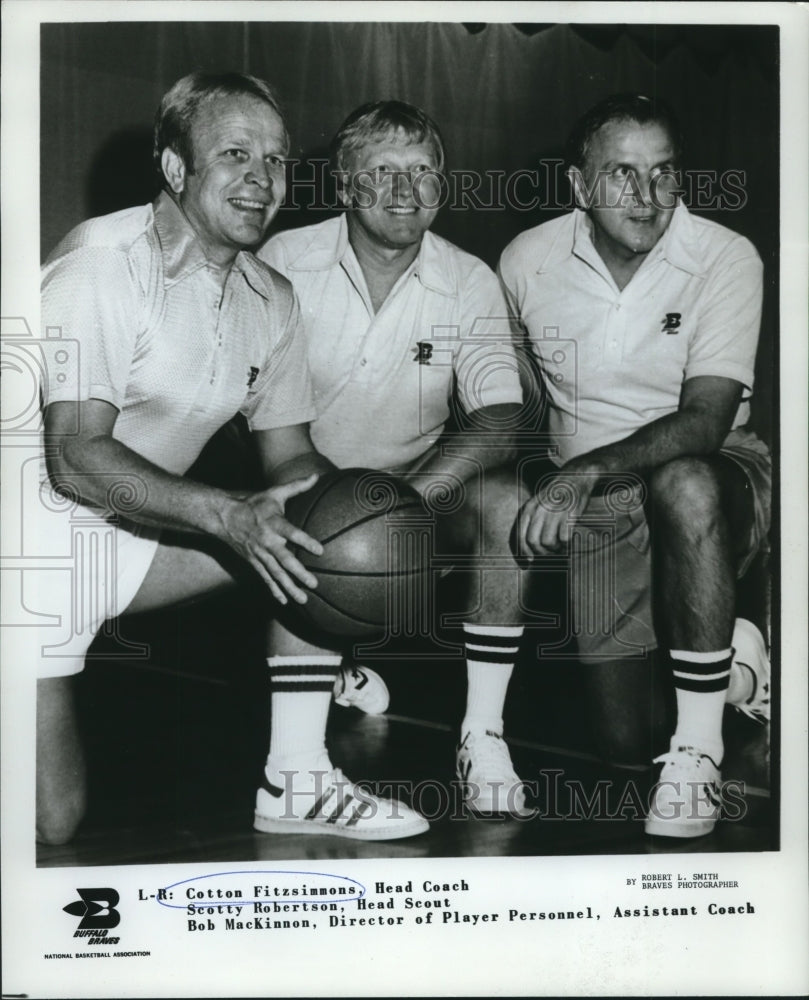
column 424, row 569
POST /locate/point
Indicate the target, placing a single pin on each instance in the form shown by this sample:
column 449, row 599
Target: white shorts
column 78, row 572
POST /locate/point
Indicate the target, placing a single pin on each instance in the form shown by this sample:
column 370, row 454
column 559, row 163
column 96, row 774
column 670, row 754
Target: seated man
column 179, row 328
column 394, row 318
column 661, row 309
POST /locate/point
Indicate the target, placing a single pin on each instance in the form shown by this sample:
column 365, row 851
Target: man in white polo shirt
column 645, row 321
column 177, row 328
column 397, row 319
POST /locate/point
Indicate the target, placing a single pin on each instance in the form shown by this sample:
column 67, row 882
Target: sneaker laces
column 491, row 752
column 675, row 757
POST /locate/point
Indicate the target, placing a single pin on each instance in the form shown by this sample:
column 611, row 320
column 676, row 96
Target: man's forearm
column 106, row 473
column 669, row 437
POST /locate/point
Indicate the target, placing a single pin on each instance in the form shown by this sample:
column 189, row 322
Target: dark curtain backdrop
column 504, row 96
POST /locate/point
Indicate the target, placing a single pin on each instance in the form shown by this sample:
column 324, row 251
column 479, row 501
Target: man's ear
column 574, row 175
column 174, row 170
column 342, row 180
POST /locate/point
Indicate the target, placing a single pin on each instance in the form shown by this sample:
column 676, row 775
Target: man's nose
column 260, row 175
column 643, row 190
column 403, row 184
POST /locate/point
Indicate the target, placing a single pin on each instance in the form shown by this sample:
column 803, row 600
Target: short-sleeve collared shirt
column 615, row 360
column 383, row 380
column 151, row 331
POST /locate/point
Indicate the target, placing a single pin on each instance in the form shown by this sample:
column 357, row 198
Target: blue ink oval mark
column 217, row 895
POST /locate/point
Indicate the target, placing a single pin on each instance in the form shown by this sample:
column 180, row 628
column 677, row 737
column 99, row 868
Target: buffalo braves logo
column 252, row 376
column 423, row 351
column 671, row 322
column 96, row 909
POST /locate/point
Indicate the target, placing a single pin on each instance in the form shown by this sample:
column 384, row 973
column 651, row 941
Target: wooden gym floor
column 176, row 741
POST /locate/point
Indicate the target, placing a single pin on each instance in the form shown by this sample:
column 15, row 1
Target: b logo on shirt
column 252, row 375
column 671, row 323
column 423, row 352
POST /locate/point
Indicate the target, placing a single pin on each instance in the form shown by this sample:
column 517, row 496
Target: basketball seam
column 316, row 500
column 346, row 614
column 317, row 570
column 364, row 520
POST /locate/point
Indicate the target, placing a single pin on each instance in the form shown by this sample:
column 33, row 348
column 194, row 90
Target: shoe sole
column 478, row 811
column 266, row 824
column 672, row 828
column 373, row 710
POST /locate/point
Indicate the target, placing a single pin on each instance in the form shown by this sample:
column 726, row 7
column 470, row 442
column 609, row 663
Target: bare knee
column 60, row 772
column 492, row 510
column 686, row 494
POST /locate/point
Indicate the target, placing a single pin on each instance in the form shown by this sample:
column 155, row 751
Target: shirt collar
column 182, row 253
column 433, row 266
column 679, row 244
column 179, row 246
column 330, row 246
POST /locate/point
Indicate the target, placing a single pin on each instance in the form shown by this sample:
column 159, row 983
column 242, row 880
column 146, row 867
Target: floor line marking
column 549, row 748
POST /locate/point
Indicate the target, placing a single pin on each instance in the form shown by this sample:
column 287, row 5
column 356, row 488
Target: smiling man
column 179, row 328
column 396, row 320
column 645, row 321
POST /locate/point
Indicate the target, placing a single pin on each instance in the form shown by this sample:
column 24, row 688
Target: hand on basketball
column 257, row 529
column 546, row 519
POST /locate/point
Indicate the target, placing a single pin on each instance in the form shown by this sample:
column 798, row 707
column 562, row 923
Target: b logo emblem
column 423, row 352
column 671, row 323
column 95, row 916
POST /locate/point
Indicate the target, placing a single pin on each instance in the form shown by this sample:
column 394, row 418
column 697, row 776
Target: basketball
column 374, row 530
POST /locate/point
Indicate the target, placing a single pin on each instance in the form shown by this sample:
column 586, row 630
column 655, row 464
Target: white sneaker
column 686, row 801
column 750, row 656
column 488, row 781
column 361, row 688
column 326, row 802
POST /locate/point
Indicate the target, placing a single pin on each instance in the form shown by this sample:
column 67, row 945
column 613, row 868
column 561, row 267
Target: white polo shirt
column 383, row 380
column 146, row 326
column 615, row 360
column 150, row 330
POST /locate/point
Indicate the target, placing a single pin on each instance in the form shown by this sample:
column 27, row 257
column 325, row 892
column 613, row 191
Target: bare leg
column 180, row 573
column 701, row 508
column 177, row 573
column 61, row 780
column 483, row 530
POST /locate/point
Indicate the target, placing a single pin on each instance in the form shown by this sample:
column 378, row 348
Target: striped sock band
column 301, row 692
column 303, row 673
column 491, row 651
column 701, row 671
column 701, row 682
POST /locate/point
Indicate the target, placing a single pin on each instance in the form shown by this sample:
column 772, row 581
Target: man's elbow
column 509, row 449
column 712, row 432
column 63, row 482
column 64, row 471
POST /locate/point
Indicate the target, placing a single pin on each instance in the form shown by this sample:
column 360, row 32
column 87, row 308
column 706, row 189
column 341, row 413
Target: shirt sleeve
column 283, row 393
column 487, row 371
column 725, row 340
column 91, row 302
